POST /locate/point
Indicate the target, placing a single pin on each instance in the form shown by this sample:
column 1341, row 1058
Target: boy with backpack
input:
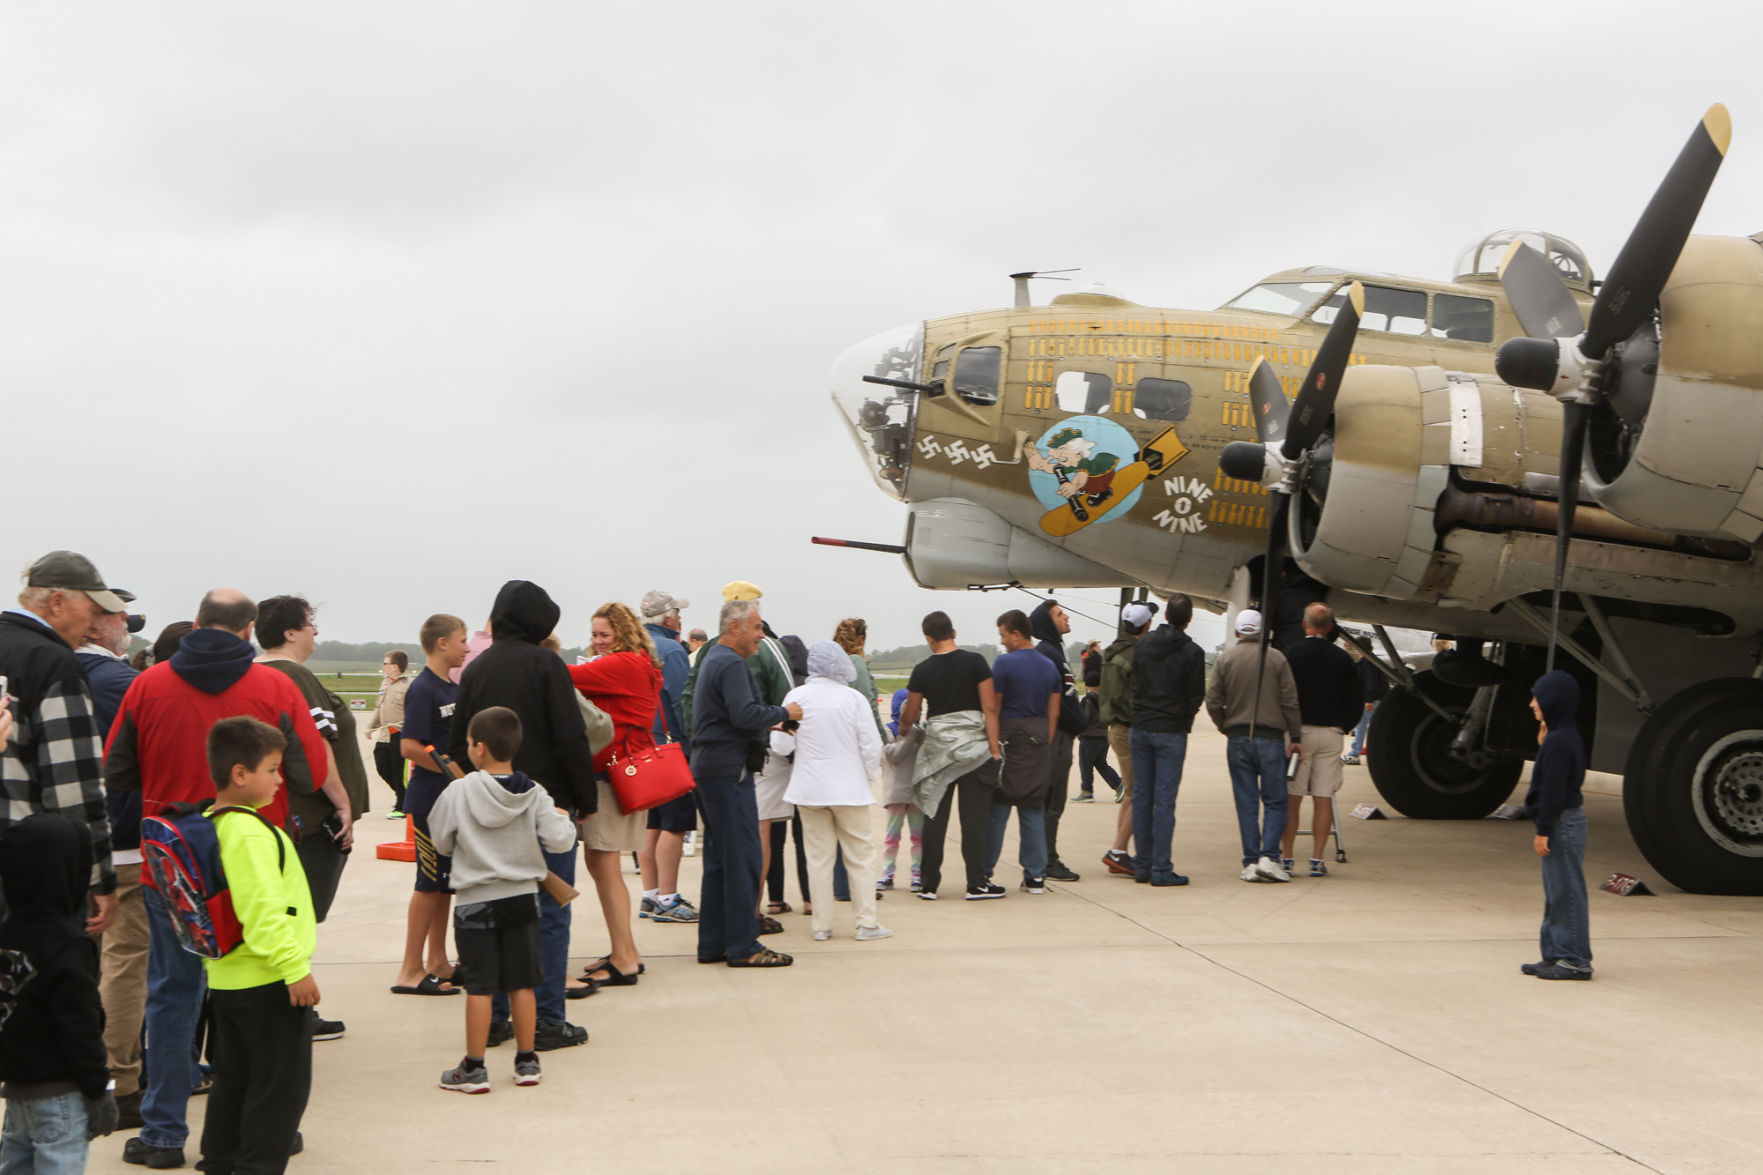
column 493, row 822
column 263, row 990
column 53, row 1071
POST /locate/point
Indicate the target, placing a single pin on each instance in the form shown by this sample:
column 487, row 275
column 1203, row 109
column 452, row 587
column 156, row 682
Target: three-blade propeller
column 1566, row 358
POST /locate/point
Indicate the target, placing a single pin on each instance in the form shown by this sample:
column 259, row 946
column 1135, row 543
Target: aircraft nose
column 880, row 417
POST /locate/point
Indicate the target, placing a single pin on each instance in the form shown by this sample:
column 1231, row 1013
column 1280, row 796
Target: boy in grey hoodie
column 493, row 822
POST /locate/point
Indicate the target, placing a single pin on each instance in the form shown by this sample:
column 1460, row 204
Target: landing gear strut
column 1693, row 788
column 1416, row 760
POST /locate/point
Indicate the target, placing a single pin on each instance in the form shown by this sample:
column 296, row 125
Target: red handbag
column 652, row 777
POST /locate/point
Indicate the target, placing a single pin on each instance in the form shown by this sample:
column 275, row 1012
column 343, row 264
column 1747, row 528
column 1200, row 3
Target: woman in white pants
column 838, row 753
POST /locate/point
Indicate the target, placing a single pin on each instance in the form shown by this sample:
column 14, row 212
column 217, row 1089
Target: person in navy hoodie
column 1554, row 802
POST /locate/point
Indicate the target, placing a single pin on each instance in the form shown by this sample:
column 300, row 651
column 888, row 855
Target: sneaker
column 558, row 1034
column 1119, row 794
column 158, row 1157
column 1317, row 868
column 323, row 1029
column 394, row 814
column 917, row 886
column 871, row 933
column 924, row 895
column 822, row 935
column 1350, row 760
column 647, row 907
column 1287, row 864
column 526, row 1069
column 884, row 883
column 1117, row 861
column 1561, row 971
column 1060, row 871
column 1172, row 879
column 1035, row 885
column 678, row 910
column 1249, row 873
column 500, row 1031
column 1271, row 870
column 128, row 1111
column 980, row 893
column 1141, row 878
column 1084, row 797
column 475, row 1079
column 1532, row 968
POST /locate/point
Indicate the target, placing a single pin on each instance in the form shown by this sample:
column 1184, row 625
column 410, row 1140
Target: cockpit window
column 976, row 374
column 940, row 368
column 1290, row 299
column 1469, row 320
column 1162, row 399
column 1400, row 312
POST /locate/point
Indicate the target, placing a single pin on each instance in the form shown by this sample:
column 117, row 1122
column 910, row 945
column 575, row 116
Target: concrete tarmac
column 1371, row 1021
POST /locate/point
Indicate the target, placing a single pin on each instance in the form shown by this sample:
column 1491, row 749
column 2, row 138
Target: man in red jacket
column 158, row 747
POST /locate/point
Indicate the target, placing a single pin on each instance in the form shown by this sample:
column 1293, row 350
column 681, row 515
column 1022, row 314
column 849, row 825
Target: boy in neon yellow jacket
column 263, row 989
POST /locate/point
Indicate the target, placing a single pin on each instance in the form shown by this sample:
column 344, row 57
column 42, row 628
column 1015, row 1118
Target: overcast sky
column 387, row 303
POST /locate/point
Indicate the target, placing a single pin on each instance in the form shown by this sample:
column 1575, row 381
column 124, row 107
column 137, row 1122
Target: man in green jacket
column 1135, row 618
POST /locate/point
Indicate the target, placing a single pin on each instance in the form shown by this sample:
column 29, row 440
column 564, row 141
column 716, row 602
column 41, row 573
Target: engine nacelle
column 953, row 544
column 1696, row 466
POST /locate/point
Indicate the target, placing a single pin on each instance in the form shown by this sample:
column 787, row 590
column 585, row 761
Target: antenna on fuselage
column 1021, row 280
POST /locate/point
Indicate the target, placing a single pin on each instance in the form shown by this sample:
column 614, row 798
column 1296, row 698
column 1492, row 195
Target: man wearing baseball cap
column 1261, row 729
column 665, row 838
column 54, row 761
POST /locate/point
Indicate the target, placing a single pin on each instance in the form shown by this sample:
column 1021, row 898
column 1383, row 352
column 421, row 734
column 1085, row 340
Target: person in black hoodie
column 533, row 682
column 1169, row 686
column 1555, row 802
column 53, row 1071
column 1049, row 624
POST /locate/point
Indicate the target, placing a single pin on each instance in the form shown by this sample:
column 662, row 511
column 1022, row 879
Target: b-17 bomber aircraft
column 1543, row 467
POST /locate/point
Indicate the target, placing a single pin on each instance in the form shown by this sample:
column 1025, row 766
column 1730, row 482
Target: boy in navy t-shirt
column 428, row 718
column 1028, row 686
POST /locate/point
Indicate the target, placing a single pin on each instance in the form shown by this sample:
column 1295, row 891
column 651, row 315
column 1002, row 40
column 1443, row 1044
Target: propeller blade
column 1631, row 288
column 1574, row 418
column 1270, row 573
column 1315, row 400
column 1541, row 300
column 1268, row 399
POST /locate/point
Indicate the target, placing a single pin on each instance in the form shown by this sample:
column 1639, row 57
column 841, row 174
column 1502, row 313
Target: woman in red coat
column 624, row 680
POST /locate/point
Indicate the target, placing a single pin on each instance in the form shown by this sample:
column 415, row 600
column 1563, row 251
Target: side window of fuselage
column 1089, row 392
column 1399, row 312
column 977, row 373
column 1162, row 399
column 1469, row 320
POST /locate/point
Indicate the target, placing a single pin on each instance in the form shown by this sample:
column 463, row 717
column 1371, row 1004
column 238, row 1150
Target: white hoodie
column 494, row 836
column 838, row 748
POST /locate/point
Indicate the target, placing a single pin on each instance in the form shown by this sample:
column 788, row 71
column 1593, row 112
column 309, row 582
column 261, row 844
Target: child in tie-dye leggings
column 900, row 815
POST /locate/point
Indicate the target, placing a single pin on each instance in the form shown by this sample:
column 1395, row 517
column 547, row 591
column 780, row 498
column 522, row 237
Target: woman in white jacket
column 838, row 753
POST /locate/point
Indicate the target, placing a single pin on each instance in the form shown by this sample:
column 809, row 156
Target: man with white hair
column 1261, row 728
column 54, row 761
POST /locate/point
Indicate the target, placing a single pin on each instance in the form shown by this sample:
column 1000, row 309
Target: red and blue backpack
column 180, row 849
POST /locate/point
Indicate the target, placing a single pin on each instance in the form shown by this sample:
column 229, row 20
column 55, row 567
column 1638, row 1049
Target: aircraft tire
column 1407, row 751
column 1693, row 788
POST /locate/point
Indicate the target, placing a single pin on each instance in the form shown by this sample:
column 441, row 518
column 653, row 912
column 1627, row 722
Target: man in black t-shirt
column 953, row 681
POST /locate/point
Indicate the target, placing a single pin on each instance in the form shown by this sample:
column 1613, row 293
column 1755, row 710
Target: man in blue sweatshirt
column 1554, row 803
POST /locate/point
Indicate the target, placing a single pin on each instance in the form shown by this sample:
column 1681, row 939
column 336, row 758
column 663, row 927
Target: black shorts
column 434, row 870
column 498, row 957
column 676, row 815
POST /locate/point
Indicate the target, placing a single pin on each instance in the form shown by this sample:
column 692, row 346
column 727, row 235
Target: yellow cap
column 740, row 589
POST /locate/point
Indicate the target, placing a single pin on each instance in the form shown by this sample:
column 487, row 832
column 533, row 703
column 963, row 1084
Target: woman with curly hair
column 624, row 680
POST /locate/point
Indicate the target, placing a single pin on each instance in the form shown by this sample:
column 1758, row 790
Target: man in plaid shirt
column 54, row 761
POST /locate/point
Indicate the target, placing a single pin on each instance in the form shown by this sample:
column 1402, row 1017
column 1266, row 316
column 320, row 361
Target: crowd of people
column 779, row 734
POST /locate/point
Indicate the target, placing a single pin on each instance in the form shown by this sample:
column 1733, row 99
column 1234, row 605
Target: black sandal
column 778, row 908
column 604, row 963
column 765, row 958
column 770, row 925
column 614, row 977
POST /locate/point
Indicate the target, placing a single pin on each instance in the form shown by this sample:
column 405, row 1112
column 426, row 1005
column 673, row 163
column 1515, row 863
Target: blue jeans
column 44, row 1136
column 175, row 987
column 1031, row 829
column 1156, row 769
column 1359, row 731
column 728, row 925
column 1567, row 932
column 1257, row 780
column 553, row 948
column 1092, row 756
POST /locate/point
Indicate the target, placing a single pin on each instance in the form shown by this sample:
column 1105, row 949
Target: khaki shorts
column 611, row 831
column 1320, row 772
column 1120, row 742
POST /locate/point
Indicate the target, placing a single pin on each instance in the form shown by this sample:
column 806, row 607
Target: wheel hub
column 1729, row 792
